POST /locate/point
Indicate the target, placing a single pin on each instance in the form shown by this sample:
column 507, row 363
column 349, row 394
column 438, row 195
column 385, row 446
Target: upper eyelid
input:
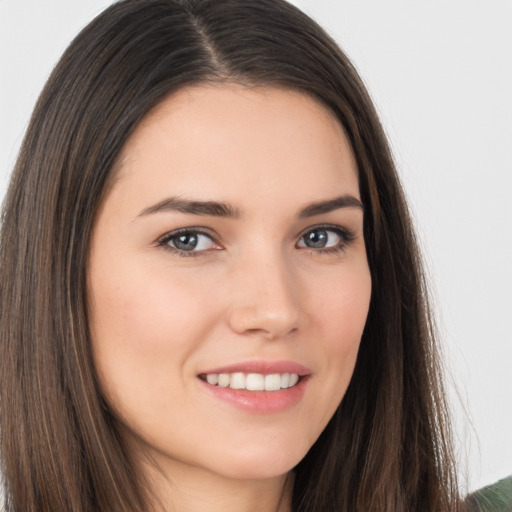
column 332, row 227
column 194, row 229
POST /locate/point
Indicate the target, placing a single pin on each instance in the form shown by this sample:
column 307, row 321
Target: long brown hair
column 387, row 446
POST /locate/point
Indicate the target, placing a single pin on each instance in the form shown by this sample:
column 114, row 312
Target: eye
column 188, row 241
column 325, row 238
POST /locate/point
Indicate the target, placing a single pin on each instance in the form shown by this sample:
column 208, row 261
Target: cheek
column 341, row 313
column 145, row 306
column 341, row 307
column 143, row 330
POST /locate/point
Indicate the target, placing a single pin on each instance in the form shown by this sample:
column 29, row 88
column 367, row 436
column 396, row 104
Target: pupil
column 316, row 239
column 186, row 242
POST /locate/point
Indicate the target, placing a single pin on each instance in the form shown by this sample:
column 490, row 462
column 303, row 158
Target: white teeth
column 272, row 382
column 253, row 381
column 237, row 381
column 224, row 379
column 212, row 378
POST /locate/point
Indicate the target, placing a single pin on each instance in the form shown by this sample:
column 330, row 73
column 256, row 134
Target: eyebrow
column 177, row 204
column 345, row 201
column 219, row 209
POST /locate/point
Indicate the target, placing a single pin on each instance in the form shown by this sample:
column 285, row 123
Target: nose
column 265, row 299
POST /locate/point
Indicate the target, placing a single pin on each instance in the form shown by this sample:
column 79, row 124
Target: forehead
column 228, row 140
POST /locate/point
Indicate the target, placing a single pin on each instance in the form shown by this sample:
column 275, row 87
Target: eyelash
column 164, row 241
column 346, row 238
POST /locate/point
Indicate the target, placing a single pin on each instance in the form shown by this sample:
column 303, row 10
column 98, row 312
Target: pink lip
column 260, row 402
column 263, row 367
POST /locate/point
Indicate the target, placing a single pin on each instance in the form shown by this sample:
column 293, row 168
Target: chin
column 260, row 463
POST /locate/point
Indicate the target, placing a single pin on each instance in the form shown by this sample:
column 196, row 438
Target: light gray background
column 440, row 73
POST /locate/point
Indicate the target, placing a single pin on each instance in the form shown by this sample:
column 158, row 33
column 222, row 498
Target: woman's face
column 228, row 255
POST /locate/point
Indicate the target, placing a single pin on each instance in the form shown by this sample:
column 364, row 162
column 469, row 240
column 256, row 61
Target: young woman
column 211, row 293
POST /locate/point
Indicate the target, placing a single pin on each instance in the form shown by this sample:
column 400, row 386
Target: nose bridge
column 265, row 299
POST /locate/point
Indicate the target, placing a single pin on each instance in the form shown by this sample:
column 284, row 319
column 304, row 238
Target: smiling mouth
column 252, row 381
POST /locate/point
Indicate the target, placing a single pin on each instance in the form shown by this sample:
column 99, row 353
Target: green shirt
column 493, row 498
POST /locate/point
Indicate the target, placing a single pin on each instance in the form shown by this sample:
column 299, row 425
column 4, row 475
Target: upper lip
column 263, row 367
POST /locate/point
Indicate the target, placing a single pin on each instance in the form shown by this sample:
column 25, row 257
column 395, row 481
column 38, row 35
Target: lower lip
column 260, row 402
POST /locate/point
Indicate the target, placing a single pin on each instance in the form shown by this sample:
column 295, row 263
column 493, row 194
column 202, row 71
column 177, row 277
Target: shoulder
column 493, row 498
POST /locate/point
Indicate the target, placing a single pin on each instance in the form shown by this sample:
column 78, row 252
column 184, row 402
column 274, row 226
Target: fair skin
column 264, row 284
